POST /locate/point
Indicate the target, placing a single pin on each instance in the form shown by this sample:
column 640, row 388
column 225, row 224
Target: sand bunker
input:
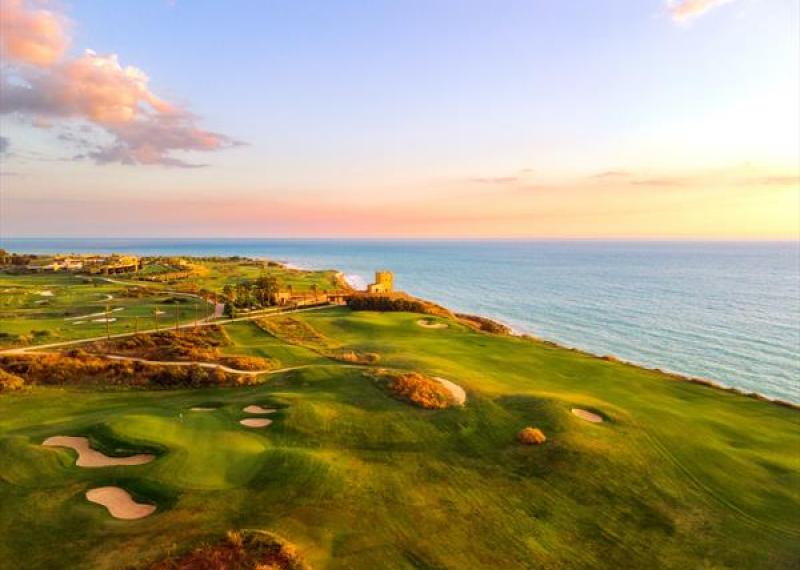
column 458, row 393
column 258, row 410
column 255, row 422
column 78, row 322
column 110, row 320
column 429, row 324
column 45, row 293
column 587, row 415
column 202, row 409
column 119, row 503
column 88, row 457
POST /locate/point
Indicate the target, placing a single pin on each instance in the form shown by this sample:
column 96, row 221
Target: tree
column 267, row 287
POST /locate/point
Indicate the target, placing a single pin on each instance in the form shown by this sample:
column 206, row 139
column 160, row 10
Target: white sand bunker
column 45, row 293
column 587, row 415
column 429, row 324
column 88, row 457
column 255, row 422
column 110, row 320
column 458, row 393
column 258, row 410
column 202, row 409
column 119, row 503
column 79, row 322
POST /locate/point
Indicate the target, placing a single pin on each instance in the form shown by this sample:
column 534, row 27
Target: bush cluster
column 531, row 436
column 386, row 303
column 10, row 382
column 78, row 367
column 239, row 549
column 417, row 389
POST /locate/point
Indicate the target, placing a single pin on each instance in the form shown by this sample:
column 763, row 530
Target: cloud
column 790, row 180
column 661, row 182
column 611, row 174
column 496, row 180
column 34, row 36
column 95, row 88
column 684, row 10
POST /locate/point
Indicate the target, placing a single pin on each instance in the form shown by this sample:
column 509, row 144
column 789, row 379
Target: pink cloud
column 34, row 36
column 96, row 88
column 684, row 10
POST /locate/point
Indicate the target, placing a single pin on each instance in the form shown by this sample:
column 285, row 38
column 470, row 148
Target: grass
column 29, row 318
column 221, row 273
column 678, row 476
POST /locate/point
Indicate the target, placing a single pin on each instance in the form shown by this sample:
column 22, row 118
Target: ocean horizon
column 728, row 311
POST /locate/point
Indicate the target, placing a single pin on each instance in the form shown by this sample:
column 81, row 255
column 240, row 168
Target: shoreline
column 609, row 357
column 348, row 282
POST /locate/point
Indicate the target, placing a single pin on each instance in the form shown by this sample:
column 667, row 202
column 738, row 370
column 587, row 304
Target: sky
column 610, row 119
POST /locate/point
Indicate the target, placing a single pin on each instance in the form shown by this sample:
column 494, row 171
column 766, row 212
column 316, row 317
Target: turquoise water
column 725, row 311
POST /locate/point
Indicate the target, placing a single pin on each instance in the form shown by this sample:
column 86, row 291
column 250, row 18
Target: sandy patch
column 160, row 312
column 45, row 293
column 108, row 297
column 78, row 322
column 587, row 415
column 429, row 324
column 88, row 457
column 202, row 409
column 258, row 410
column 119, row 503
column 458, row 393
column 255, row 422
column 109, row 319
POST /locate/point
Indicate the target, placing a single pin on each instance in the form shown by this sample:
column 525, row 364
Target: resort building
column 116, row 264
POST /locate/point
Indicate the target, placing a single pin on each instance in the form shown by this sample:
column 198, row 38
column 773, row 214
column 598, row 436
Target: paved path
column 214, row 365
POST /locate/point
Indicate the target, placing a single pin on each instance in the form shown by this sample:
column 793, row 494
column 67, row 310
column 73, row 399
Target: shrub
column 531, row 436
column 247, row 362
column 239, row 549
column 417, row 389
column 10, row 382
column 385, row 303
column 357, row 357
column 483, row 324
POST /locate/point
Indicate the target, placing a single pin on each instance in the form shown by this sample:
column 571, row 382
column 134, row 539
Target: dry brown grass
column 78, row 367
column 294, row 331
column 240, row 550
column 357, row 357
column 416, row 389
column 201, row 345
column 531, row 436
column 10, row 382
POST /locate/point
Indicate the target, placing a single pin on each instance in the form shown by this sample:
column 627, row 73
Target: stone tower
column 384, row 283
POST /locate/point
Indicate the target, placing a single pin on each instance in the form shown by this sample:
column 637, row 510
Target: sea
column 724, row 311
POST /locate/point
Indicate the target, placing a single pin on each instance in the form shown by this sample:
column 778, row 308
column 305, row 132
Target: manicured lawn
column 679, row 476
column 52, row 307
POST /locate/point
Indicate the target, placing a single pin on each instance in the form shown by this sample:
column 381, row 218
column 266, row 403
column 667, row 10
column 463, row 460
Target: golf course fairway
column 676, row 475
